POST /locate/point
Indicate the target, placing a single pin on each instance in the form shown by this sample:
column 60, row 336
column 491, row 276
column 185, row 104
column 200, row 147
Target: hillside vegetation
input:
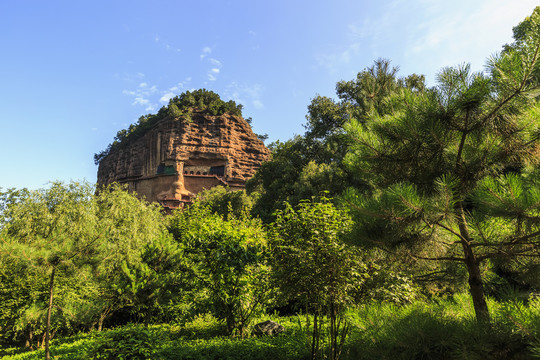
column 179, row 107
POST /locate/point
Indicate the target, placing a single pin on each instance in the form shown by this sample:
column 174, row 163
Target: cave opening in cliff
column 217, row 170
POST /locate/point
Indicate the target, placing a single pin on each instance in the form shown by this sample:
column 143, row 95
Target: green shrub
column 128, row 342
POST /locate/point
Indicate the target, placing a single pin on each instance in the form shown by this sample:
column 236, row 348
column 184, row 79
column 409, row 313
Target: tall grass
column 446, row 329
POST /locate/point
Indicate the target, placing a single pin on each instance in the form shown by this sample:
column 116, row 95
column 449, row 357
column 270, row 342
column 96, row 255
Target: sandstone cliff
column 178, row 157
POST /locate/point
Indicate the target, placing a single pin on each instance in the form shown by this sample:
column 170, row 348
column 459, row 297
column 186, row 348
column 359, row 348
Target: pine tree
column 444, row 163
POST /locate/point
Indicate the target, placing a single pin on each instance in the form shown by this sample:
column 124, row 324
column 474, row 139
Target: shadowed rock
column 268, row 327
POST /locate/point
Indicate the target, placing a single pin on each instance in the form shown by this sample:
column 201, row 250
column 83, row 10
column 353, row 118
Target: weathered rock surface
column 177, row 158
column 268, row 327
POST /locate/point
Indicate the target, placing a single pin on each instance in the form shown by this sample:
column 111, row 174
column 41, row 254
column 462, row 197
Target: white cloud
column 359, row 40
column 215, row 70
column 130, row 77
column 471, row 32
column 181, row 85
column 426, row 35
column 257, row 104
column 205, row 52
column 142, row 96
column 245, row 94
column 166, row 97
column 334, row 60
column 139, row 100
column 215, row 62
column 151, row 97
column 165, row 44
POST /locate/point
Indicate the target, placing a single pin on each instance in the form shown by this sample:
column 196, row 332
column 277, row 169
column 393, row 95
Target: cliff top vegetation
column 181, row 106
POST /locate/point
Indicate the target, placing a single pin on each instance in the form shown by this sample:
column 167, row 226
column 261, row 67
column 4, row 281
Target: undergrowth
column 445, row 329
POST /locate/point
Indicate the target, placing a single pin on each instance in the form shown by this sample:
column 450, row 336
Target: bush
column 128, row 342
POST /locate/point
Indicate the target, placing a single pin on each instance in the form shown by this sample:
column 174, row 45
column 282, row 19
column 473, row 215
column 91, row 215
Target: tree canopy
column 65, row 240
column 443, row 163
column 307, row 165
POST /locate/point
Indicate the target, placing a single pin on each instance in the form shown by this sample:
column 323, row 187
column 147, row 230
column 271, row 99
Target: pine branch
column 437, row 258
column 453, row 232
column 517, row 91
column 506, row 255
column 464, row 134
column 365, row 212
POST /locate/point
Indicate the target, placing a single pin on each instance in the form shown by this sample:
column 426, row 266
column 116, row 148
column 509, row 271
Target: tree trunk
column 333, row 331
column 49, row 311
column 30, row 338
column 476, row 287
column 100, row 321
column 315, row 338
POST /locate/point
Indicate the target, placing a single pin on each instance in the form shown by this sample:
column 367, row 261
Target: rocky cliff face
column 177, row 158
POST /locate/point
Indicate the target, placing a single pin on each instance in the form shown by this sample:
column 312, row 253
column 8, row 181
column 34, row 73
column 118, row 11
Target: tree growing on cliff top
column 452, row 169
column 179, row 107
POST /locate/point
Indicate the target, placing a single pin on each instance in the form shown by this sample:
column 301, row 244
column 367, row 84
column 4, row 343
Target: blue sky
column 73, row 73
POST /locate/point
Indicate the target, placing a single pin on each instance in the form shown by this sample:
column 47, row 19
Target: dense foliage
column 307, row 165
column 227, row 203
column 180, row 108
column 314, row 267
column 443, row 330
column 227, row 261
column 449, row 165
column 72, row 251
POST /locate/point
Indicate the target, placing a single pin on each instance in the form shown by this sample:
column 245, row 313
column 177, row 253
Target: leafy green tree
column 51, row 229
column 138, row 256
column 275, row 179
column 78, row 256
column 435, row 155
column 313, row 265
column 307, row 165
column 227, row 203
column 291, row 176
column 367, row 95
column 227, row 260
column 20, row 290
column 150, row 286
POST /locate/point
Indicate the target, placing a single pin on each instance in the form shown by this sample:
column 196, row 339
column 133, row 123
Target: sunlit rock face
column 177, row 158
